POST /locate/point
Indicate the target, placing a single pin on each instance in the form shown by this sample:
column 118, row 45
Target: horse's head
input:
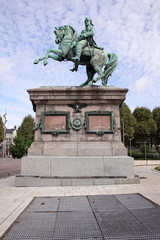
column 59, row 32
column 64, row 32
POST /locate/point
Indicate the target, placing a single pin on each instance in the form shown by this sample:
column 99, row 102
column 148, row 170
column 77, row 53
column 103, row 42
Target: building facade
column 10, row 135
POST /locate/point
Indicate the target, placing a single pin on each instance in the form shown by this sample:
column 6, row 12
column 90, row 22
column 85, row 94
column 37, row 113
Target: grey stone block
column 78, row 166
column 49, row 182
column 27, row 181
column 119, row 166
column 83, row 182
column 104, row 181
column 30, row 181
column 35, row 166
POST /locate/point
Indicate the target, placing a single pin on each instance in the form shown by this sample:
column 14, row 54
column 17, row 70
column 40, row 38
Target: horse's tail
column 109, row 67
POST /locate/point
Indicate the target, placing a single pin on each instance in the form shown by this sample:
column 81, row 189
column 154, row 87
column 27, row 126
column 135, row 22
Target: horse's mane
column 74, row 31
column 74, row 34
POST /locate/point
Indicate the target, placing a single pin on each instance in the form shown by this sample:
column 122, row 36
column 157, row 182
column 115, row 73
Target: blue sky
column 129, row 28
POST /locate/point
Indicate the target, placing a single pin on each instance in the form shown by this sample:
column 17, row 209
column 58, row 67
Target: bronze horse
column 93, row 58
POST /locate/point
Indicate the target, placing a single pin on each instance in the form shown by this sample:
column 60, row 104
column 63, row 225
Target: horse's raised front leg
column 55, row 57
column 55, row 51
column 38, row 60
column 58, row 52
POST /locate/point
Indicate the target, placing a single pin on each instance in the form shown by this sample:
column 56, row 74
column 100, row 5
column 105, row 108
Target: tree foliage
column 1, row 129
column 156, row 117
column 142, row 114
column 18, row 148
column 128, row 121
column 142, row 126
column 25, row 137
column 145, row 125
column 26, row 130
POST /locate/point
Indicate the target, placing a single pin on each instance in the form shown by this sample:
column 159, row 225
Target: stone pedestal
column 77, row 138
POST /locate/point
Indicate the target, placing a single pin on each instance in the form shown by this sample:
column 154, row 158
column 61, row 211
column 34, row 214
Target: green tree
column 156, row 117
column 25, row 137
column 128, row 122
column 142, row 114
column 18, row 148
column 1, row 129
column 145, row 125
column 26, row 130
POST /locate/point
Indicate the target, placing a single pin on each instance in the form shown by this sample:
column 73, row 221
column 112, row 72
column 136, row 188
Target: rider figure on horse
column 85, row 39
column 93, row 57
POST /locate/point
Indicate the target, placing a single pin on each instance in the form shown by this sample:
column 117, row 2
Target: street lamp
column 4, row 142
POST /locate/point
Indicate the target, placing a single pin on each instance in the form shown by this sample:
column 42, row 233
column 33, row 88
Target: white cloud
column 5, row 65
column 141, row 85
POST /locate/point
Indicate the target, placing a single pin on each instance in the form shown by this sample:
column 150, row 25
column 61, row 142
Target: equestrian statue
column 82, row 50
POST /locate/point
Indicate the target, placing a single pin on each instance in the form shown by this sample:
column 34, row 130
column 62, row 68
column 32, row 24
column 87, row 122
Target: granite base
column 75, row 170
